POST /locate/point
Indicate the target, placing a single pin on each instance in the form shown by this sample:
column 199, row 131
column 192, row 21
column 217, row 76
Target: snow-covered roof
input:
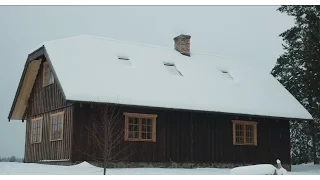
column 107, row 70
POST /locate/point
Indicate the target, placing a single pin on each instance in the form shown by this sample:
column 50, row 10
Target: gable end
column 27, row 81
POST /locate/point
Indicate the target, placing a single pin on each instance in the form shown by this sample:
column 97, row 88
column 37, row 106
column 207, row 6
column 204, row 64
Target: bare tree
column 107, row 136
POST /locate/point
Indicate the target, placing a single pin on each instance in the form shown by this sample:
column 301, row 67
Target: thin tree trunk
column 314, row 142
column 106, row 136
column 105, row 144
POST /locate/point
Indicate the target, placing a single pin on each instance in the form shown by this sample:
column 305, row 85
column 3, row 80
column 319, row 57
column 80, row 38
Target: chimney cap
column 182, row 36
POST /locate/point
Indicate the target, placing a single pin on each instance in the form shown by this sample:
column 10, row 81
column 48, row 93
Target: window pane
column 239, row 127
column 61, row 117
column 135, row 128
column 249, row 127
column 136, row 121
column 33, row 138
column 144, row 135
column 59, row 134
column 239, row 139
column 53, row 129
column 144, row 121
column 58, row 120
column 136, row 134
column 46, row 78
column 249, row 140
column 131, row 128
column 149, row 136
column 249, row 134
column 53, row 120
column 56, row 127
column 130, row 134
column 37, row 129
column 130, row 120
column 173, row 70
column 133, row 134
column 143, row 128
column 239, row 133
column 149, row 122
column 51, row 78
column 34, row 130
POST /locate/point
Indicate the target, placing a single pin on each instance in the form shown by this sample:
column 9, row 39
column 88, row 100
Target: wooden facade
column 43, row 102
column 189, row 136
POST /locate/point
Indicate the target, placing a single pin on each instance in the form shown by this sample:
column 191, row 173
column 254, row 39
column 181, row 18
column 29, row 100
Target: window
column 140, row 127
column 244, row 132
column 47, row 75
column 124, row 60
column 36, row 130
column 171, row 68
column 56, row 122
column 226, row 74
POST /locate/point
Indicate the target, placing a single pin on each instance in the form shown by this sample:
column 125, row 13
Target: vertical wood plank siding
column 184, row 136
column 44, row 101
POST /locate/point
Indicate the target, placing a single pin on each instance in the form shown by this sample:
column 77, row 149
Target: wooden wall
column 49, row 150
column 44, row 99
column 184, row 136
column 42, row 102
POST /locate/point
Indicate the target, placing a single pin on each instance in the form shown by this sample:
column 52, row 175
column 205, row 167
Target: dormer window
column 171, row 68
column 226, row 74
column 47, row 74
column 124, row 60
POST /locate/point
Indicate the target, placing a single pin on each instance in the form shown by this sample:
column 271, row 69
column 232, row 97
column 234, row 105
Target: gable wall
column 44, row 101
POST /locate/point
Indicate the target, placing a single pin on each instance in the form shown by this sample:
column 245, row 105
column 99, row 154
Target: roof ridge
column 137, row 43
column 151, row 45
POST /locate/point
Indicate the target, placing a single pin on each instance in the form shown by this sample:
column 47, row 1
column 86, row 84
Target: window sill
column 141, row 140
column 245, row 144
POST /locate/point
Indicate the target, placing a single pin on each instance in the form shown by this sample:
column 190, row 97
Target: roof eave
column 228, row 113
column 31, row 56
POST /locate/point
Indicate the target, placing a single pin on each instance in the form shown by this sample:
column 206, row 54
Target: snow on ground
column 259, row 169
column 306, row 169
column 87, row 169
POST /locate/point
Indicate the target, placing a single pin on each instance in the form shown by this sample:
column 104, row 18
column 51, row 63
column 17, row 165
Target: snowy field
column 87, row 169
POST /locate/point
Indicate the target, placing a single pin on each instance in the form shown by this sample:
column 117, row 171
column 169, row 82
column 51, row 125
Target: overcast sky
column 245, row 33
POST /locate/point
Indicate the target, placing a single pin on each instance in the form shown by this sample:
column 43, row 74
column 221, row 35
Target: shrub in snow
column 12, row 159
column 260, row 169
column 280, row 170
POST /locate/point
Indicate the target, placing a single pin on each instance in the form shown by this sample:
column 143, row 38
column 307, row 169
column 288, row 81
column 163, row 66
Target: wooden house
column 199, row 108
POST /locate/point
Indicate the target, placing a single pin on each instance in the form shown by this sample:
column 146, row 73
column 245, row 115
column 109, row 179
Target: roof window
column 171, row 68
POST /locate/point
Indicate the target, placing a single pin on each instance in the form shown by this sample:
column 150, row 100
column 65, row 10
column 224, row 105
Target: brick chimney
column 182, row 44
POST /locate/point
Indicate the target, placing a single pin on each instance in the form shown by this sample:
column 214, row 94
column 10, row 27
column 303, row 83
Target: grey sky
column 245, row 33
